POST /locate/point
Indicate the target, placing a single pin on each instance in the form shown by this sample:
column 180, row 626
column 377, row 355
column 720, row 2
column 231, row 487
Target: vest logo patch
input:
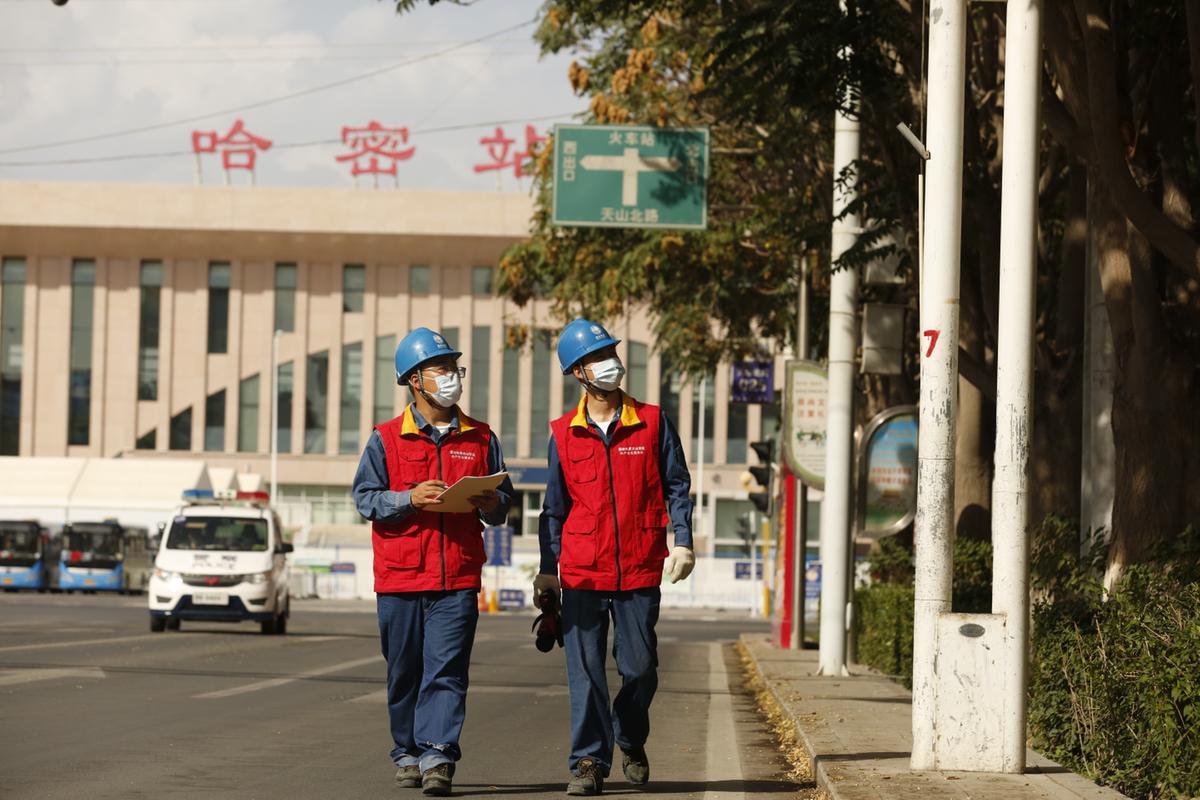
column 632, row 450
column 462, row 455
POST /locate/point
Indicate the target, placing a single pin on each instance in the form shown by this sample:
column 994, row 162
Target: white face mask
column 449, row 389
column 607, row 374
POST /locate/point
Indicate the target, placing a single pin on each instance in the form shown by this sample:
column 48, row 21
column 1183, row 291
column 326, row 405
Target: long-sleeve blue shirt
column 676, row 482
column 374, row 498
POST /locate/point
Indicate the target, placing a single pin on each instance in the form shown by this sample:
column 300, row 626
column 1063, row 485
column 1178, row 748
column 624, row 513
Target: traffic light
column 765, row 450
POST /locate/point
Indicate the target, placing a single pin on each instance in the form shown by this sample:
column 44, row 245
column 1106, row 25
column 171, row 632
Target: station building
column 139, row 321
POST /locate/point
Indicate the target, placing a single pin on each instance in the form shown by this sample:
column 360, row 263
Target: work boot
column 635, row 765
column 409, row 777
column 587, row 779
column 435, row 781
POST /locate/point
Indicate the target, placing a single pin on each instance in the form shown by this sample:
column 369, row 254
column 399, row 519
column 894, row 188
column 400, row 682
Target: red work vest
column 427, row 550
column 614, row 537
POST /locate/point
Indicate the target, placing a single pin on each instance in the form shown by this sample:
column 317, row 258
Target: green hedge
column 1114, row 683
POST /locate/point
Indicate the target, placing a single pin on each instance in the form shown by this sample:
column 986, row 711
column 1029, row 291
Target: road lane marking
column 311, row 639
column 380, row 696
column 13, row 677
column 273, row 682
column 721, row 760
column 81, row 642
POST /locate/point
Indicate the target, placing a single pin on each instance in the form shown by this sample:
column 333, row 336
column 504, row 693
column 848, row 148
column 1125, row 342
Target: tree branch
column 1166, row 237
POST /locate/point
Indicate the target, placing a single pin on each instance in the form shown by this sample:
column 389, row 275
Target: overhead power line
column 275, row 145
column 261, row 103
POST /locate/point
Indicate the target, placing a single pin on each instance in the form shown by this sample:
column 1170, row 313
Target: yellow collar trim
column 629, row 415
column 409, row 425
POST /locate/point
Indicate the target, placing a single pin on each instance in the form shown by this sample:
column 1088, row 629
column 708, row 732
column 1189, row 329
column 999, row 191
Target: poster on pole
column 752, row 382
column 805, row 393
column 887, row 473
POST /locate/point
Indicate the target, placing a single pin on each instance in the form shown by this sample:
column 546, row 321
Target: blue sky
column 94, row 67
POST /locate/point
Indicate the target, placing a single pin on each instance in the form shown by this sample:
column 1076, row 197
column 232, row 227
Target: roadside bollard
column 493, row 603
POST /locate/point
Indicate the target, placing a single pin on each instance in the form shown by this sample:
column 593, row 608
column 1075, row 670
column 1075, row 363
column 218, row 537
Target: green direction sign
column 622, row 176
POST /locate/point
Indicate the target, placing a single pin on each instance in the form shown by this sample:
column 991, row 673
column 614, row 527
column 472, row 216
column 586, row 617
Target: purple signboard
column 753, row 382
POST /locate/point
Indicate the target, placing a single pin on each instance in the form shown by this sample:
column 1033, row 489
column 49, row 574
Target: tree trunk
column 1154, row 399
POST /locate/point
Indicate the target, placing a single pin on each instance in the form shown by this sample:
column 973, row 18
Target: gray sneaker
column 635, row 765
column 435, row 781
column 587, row 779
column 409, row 777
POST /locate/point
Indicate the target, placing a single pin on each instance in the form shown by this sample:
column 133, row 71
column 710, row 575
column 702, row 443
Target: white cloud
column 220, row 54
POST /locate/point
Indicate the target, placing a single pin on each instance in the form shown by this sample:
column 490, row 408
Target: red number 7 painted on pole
column 933, row 334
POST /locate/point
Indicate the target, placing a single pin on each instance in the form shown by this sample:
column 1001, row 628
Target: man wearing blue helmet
column 618, row 481
column 428, row 564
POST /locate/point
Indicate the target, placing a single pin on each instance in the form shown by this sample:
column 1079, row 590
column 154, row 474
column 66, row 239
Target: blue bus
column 25, row 556
column 103, row 556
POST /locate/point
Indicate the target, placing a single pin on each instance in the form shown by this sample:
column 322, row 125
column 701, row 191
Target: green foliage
column 1114, row 685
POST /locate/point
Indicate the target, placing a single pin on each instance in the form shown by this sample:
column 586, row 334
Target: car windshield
column 18, row 541
column 218, row 533
column 87, row 543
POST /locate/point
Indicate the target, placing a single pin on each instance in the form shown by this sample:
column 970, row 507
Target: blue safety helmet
column 580, row 338
column 419, row 346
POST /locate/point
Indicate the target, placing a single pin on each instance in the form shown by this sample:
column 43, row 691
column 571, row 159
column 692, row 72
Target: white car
column 221, row 559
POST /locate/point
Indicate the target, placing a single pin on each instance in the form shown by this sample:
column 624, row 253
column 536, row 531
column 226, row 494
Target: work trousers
column 426, row 639
column 594, row 726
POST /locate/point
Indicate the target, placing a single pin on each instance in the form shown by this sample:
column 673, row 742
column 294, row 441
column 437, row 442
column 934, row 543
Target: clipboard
column 456, row 499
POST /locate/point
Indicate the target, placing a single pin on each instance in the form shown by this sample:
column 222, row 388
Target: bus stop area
column 857, row 734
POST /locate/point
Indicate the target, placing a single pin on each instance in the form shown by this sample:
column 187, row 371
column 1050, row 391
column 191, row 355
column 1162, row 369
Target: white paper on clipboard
column 456, row 499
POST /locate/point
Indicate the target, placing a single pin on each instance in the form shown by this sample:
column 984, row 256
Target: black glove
column 548, row 624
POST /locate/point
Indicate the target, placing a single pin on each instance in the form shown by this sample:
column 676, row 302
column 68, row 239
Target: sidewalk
column 858, row 733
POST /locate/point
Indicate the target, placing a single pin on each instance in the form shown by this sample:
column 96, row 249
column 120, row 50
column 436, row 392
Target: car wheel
column 281, row 624
column 158, row 624
column 174, row 623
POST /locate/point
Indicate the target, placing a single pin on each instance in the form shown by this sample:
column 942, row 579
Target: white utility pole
column 801, row 519
column 839, row 425
column 933, row 537
column 698, row 522
column 274, row 417
column 1014, row 360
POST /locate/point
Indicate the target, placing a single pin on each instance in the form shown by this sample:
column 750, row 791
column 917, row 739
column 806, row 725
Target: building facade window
column 214, row 422
column 670, row 384
column 481, row 363
column 571, row 392
column 509, row 399
column 149, row 309
column 636, row 382
column 770, row 417
column 735, row 440
column 180, row 436
column 354, row 285
column 285, row 297
column 482, row 281
column 383, row 406
column 248, row 406
column 316, row 402
column 539, row 391
column 709, row 398
column 148, row 441
column 218, row 306
column 284, row 381
column 420, row 279
column 79, row 411
column 351, row 397
column 12, row 336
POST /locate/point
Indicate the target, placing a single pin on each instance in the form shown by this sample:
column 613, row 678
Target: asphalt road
column 93, row 705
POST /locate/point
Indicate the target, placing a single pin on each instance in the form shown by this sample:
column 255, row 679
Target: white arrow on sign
column 630, row 165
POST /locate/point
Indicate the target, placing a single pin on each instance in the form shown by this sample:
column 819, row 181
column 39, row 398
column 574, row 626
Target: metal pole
column 1096, row 490
column 699, row 521
column 801, row 532
column 839, row 430
column 274, row 417
column 934, row 529
column 1014, row 360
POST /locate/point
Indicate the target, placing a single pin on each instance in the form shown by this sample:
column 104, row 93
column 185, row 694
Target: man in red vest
column 618, row 482
column 428, row 564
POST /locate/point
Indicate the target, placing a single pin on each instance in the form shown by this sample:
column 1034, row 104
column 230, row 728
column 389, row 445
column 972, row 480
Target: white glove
column 542, row 583
column 680, row 563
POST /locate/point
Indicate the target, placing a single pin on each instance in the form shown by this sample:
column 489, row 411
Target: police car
column 221, row 559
